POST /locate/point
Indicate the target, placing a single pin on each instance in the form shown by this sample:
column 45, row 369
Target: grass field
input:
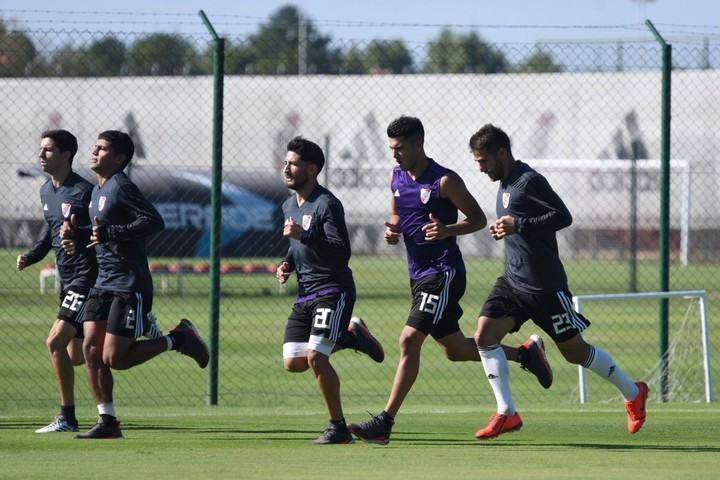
column 266, row 417
column 572, row 442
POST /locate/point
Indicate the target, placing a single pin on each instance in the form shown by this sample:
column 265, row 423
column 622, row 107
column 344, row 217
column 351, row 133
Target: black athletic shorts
column 124, row 312
column 553, row 313
column 72, row 307
column 436, row 307
column 325, row 315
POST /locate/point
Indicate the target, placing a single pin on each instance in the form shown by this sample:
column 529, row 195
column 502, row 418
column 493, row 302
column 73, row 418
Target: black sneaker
column 334, row 435
column 193, row 346
column 364, row 340
column 102, row 430
column 532, row 358
column 374, row 430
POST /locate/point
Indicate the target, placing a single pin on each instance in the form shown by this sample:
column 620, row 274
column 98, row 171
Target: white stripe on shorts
column 572, row 314
column 139, row 316
column 337, row 315
column 444, row 294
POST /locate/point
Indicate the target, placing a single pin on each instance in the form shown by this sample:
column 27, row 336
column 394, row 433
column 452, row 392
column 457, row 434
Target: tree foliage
column 163, row 54
column 276, row 48
column 539, row 62
column 353, row 61
column 388, row 57
column 17, row 53
column 463, row 53
column 288, row 44
column 102, row 58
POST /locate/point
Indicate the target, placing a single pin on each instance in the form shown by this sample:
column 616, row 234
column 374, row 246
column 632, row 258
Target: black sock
column 387, row 417
column 107, row 419
column 522, row 356
column 178, row 339
column 346, row 339
column 68, row 412
column 339, row 423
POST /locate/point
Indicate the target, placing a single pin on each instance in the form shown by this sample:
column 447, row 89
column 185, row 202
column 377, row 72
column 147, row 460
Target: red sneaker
column 500, row 423
column 636, row 408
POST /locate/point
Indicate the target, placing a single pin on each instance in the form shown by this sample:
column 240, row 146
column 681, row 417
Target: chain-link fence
column 588, row 116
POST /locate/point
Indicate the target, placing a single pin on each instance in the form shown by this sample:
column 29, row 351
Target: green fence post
column 215, row 208
column 664, row 207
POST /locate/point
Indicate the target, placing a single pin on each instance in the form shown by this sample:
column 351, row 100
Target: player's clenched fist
column 21, row 262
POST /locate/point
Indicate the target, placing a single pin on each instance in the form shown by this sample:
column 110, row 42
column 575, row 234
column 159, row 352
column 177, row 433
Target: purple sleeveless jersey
column 415, row 200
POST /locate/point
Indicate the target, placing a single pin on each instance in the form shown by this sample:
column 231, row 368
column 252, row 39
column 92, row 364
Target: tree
column 163, row 54
column 539, row 62
column 17, row 53
column 103, row 58
column 274, row 50
column 458, row 53
column 391, row 56
column 106, row 57
column 353, row 62
column 68, row 62
column 239, row 59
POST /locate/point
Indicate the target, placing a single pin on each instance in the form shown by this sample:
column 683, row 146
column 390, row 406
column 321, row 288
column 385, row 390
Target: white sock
column 497, row 371
column 106, row 409
column 600, row 362
column 169, row 342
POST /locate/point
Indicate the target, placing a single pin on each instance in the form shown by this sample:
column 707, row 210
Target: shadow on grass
column 518, row 446
column 402, row 440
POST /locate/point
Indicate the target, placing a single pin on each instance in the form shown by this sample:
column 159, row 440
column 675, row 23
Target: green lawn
column 266, row 417
column 571, row 442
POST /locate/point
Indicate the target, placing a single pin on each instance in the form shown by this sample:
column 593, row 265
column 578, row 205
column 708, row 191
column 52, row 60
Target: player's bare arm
column 392, row 226
column 453, row 188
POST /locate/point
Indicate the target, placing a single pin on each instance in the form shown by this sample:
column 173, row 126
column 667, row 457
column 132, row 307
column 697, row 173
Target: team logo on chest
column 506, row 199
column 425, row 195
column 65, row 209
column 101, row 203
column 307, row 220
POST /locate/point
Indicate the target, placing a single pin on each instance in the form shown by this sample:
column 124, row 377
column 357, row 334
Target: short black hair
column 64, row 140
column 491, row 139
column 407, row 127
column 308, row 151
column 121, row 143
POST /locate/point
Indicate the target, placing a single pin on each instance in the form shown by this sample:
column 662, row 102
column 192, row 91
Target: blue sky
column 497, row 21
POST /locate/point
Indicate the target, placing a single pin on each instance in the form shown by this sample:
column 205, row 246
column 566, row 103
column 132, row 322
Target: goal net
column 686, row 374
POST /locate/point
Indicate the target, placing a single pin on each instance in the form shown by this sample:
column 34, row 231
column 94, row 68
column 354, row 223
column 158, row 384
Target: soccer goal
column 679, row 347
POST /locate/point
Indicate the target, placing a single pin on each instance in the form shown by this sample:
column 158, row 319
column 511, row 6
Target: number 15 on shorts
column 429, row 303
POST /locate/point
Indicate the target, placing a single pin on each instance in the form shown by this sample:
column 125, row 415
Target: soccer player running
column 116, row 312
column 65, row 194
column 321, row 320
column 425, row 201
column 534, row 283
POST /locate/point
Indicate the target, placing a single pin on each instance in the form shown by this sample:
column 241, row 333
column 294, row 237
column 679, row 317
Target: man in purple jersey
column 534, row 284
column 118, row 308
column 65, row 194
column 425, row 201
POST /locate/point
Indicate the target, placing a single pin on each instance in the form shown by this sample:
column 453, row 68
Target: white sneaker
column 60, row 424
column 151, row 329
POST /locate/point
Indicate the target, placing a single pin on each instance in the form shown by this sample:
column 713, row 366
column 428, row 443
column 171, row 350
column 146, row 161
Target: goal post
column 701, row 295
